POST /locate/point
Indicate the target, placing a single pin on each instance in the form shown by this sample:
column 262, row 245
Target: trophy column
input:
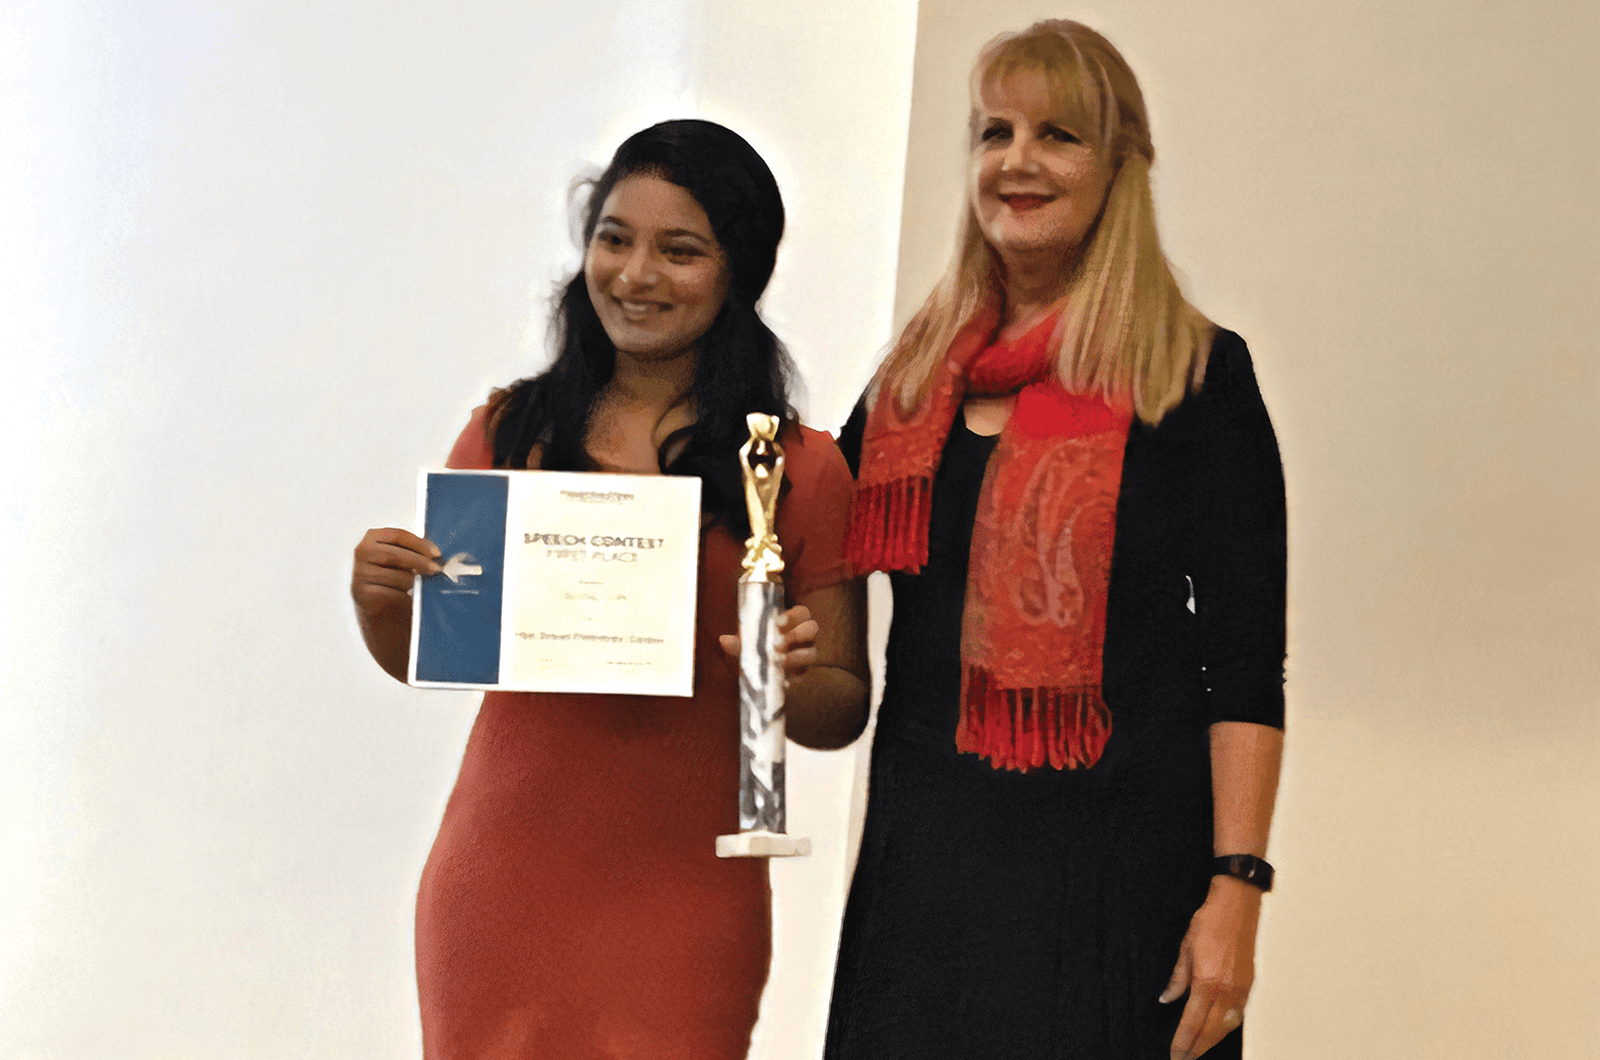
column 762, row 818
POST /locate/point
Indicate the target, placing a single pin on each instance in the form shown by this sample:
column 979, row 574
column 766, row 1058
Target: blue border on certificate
column 459, row 634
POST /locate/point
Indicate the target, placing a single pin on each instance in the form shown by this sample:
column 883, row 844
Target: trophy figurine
column 761, row 738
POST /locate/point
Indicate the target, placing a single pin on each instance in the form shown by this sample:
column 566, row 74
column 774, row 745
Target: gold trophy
column 762, row 819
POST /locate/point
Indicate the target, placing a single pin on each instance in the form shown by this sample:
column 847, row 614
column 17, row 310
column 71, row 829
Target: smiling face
column 656, row 275
column 1036, row 184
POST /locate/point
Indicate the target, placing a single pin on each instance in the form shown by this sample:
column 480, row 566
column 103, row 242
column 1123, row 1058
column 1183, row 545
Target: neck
column 1033, row 283
column 653, row 384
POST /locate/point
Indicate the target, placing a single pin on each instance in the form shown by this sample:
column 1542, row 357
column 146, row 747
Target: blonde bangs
column 1077, row 89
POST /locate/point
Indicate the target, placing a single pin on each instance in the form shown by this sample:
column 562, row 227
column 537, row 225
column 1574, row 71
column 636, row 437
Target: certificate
column 558, row 581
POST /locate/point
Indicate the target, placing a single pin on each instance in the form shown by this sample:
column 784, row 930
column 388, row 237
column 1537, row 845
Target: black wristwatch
column 1247, row 867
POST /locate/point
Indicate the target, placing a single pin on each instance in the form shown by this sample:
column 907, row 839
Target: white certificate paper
column 558, row 581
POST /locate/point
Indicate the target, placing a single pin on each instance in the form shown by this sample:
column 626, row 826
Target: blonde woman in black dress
column 1070, row 475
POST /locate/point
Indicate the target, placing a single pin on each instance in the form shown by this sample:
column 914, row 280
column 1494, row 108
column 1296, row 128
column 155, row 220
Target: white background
column 261, row 260
column 258, row 261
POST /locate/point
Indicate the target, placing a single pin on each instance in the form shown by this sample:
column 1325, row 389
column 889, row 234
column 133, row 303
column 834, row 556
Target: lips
column 637, row 310
column 1024, row 203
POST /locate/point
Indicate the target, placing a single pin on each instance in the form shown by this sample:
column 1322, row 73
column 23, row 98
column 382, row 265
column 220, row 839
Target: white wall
column 1394, row 204
column 259, row 262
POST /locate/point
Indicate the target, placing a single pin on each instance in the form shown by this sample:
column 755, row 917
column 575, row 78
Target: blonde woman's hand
column 1216, row 966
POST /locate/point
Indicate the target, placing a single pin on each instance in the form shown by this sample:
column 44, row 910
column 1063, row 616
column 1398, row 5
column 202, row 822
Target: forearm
column 388, row 638
column 826, row 707
column 1216, row 963
column 1245, row 759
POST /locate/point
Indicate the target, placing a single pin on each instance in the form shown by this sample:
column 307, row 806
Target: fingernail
column 433, row 550
column 434, row 568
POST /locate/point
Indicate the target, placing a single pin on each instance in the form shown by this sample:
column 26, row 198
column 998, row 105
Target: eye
column 683, row 252
column 609, row 239
column 1058, row 134
column 994, row 130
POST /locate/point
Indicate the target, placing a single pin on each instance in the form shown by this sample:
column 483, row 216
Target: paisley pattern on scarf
column 1033, row 628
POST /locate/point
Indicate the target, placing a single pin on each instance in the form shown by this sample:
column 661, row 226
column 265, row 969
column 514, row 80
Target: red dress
column 573, row 904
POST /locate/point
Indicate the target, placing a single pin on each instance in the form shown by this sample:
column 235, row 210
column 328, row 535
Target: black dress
column 1001, row 914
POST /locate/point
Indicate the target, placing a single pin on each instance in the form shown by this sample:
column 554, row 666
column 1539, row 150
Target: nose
column 639, row 269
column 1020, row 156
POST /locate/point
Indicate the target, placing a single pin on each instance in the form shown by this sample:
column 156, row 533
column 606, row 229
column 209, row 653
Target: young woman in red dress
column 573, row 905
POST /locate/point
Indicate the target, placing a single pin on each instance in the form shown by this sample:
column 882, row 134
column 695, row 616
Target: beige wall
column 1394, row 204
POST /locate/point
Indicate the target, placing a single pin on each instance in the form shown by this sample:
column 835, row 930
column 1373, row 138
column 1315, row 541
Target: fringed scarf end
column 1023, row 728
column 889, row 526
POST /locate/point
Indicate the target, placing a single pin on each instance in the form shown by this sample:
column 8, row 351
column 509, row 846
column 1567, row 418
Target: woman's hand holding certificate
column 387, row 563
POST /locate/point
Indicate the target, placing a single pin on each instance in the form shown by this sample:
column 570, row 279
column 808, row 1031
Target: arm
column 1239, row 580
column 826, row 702
column 825, row 656
column 825, row 636
column 1216, row 963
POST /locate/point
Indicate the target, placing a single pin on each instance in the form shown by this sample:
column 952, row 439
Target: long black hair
column 741, row 366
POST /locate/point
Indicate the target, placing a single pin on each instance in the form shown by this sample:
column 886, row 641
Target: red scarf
column 1034, row 622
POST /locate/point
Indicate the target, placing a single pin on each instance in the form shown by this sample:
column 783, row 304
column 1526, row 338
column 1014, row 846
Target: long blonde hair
column 1126, row 331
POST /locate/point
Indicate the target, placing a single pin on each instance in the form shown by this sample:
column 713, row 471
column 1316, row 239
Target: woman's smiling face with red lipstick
column 1036, row 185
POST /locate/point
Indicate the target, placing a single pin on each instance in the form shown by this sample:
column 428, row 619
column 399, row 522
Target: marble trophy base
column 762, row 845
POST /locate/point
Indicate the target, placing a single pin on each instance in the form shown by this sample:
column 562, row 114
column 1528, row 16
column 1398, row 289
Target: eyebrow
column 670, row 233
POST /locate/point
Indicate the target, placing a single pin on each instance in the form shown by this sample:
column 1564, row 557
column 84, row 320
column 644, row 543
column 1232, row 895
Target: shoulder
column 814, row 510
column 1222, row 433
column 795, row 433
column 1228, row 394
column 474, row 448
column 1221, row 428
column 1228, row 365
column 811, row 455
column 817, row 482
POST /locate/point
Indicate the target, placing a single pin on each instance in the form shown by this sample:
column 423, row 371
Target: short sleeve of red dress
column 472, row 451
column 813, row 512
column 573, row 904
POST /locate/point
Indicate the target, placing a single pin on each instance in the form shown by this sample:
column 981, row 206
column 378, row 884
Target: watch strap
column 1247, row 867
